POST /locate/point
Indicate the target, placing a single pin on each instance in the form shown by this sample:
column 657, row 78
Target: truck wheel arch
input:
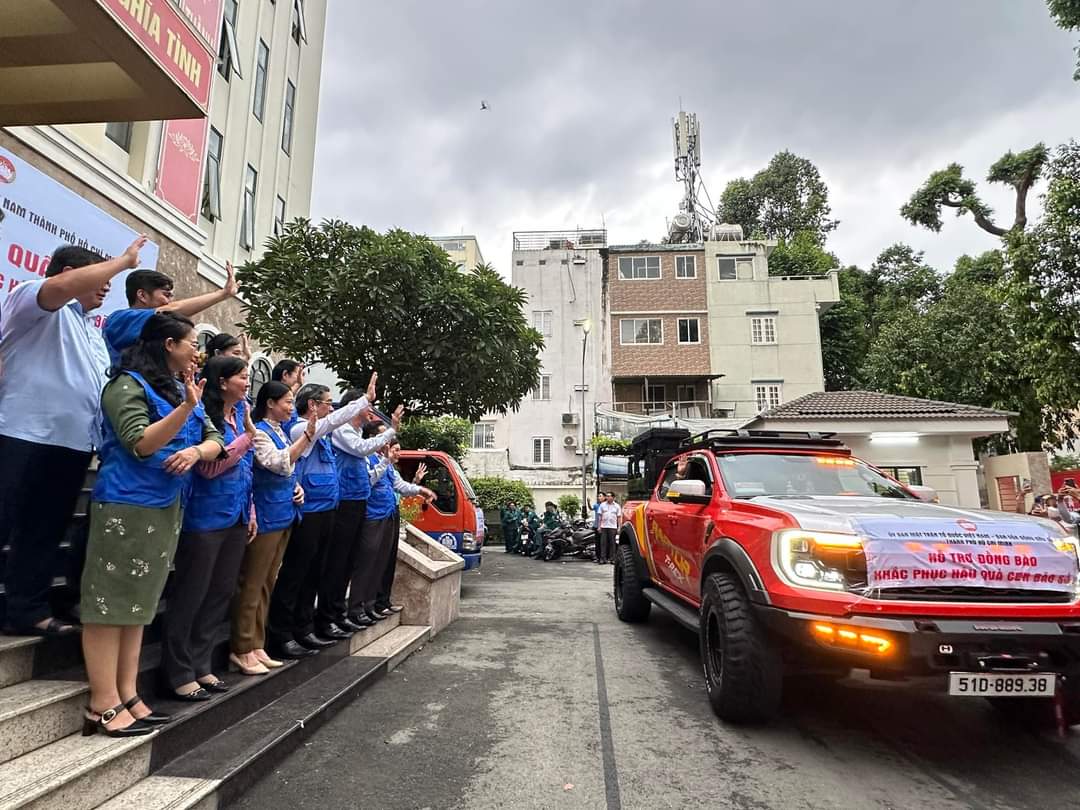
column 628, row 537
column 725, row 555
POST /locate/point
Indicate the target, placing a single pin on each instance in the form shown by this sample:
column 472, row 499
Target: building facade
column 462, row 250
column 248, row 166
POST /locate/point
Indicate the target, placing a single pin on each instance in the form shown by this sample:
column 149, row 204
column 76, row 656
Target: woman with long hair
column 218, row 522
column 155, row 431
column 224, row 345
column 277, row 497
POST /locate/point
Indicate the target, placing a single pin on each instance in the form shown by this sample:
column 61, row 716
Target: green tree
column 448, row 434
column 802, row 255
column 570, row 505
column 1066, row 14
column 785, row 198
column 443, row 341
column 845, row 331
column 493, row 492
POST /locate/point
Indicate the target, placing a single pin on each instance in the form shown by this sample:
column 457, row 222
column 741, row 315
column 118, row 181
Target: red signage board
column 162, row 31
column 205, row 17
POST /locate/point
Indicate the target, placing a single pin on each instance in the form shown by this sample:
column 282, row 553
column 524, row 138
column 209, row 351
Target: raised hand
column 396, row 416
column 245, row 347
column 193, row 391
column 421, row 471
column 370, row 393
column 428, row 495
column 249, row 426
column 231, row 287
column 181, row 461
column 131, row 255
column 312, row 419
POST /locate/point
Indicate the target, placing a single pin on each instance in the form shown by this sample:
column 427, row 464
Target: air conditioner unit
column 569, row 419
column 569, row 441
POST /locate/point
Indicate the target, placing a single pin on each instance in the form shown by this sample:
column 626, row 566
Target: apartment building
column 764, row 331
column 562, row 273
column 462, row 250
column 206, row 190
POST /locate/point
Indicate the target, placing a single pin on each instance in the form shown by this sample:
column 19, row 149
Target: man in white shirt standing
column 609, row 524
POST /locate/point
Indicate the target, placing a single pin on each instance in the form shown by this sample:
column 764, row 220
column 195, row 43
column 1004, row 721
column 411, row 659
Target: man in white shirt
column 609, row 524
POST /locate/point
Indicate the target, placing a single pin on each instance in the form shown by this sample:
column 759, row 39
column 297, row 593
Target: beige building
column 463, row 250
column 256, row 160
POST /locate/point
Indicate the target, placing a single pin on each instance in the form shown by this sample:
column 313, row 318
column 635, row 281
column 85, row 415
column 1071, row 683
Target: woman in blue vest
column 154, row 431
column 277, row 497
column 291, row 620
column 218, row 522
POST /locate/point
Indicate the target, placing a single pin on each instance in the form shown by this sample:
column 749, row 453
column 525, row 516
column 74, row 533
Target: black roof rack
column 719, row 440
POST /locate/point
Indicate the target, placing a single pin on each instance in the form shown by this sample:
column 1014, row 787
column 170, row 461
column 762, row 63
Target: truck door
column 677, row 530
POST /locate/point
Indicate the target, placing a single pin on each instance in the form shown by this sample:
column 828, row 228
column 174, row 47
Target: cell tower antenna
column 694, row 221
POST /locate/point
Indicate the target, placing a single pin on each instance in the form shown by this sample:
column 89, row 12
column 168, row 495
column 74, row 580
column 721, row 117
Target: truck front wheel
column 630, row 603
column 743, row 673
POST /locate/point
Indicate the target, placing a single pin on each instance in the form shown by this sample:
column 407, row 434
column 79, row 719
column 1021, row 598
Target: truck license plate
column 999, row 684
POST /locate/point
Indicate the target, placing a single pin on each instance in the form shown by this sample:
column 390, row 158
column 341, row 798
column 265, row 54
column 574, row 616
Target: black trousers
column 342, row 560
column 607, row 544
column 207, row 567
column 39, row 486
column 371, row 571
column 292, row 605
column 382, row 598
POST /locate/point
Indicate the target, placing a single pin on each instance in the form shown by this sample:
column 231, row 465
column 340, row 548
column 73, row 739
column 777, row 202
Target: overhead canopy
column 78, row 61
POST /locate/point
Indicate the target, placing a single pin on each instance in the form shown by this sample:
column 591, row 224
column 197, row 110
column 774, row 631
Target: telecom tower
column 694, row 221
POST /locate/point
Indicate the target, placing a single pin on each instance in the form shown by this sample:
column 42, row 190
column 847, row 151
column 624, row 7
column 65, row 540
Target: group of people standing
column 285, row 508
column 518, row 521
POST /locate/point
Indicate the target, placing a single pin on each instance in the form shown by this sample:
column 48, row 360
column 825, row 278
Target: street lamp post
column 585, row 327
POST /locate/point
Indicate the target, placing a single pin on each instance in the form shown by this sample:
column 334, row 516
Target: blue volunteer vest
column 382, row 502
column 354, row 484
column 125, row 478
column 221, row 502
column 273, row 493
column 317, row 473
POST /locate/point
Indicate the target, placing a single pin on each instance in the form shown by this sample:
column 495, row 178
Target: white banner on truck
column 38, row 215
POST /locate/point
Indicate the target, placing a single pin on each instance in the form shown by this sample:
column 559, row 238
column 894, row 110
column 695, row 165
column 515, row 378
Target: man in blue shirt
column 54, row 361
column 149, row 291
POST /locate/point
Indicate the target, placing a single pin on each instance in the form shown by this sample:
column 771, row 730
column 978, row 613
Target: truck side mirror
column 687, row 491
column 928, row 494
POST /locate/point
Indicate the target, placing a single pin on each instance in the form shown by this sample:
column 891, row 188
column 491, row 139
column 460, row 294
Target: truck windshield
column 464, row 480
column 752, row 475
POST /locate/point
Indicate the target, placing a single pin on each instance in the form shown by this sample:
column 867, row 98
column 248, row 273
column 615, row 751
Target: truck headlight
column 811, row 559
column 468, row 542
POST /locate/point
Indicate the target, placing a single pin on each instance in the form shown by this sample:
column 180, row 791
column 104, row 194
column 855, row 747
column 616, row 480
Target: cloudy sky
column 877, row 93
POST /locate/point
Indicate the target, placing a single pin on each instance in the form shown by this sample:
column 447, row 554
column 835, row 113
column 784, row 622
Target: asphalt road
column 538, row 697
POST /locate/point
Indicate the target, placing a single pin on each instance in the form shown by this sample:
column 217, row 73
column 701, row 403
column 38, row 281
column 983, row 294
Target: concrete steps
column 399, row 644
column 34, row 713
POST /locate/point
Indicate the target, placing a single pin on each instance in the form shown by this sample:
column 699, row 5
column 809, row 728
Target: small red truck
column 791, row 558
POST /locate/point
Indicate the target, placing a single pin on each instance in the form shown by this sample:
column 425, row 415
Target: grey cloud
column 581, row 95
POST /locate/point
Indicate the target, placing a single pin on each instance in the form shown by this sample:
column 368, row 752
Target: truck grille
column 953, row 594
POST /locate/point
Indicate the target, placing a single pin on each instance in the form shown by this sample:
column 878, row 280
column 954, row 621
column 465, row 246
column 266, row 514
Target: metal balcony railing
column 560, row 240
column 693, row 409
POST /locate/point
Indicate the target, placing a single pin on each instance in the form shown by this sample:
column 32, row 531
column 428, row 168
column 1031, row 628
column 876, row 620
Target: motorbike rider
column 532, row 525
column 550, row 523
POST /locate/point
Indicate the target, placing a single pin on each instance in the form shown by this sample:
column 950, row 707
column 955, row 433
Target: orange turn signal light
column 854, row 638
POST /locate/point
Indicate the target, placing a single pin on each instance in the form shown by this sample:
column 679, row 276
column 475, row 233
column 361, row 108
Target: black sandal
column 152, row 719
column 92, row 726
column 54, row 629
column 217, row 685
column 199, row 695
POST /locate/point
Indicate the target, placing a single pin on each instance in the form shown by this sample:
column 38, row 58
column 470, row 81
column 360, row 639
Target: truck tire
column 630, row 603
column 743, row 673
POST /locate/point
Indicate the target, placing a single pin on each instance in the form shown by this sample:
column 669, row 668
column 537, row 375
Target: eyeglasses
column 325, row 402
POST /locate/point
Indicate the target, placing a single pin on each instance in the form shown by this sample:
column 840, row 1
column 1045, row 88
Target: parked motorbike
column 577, row 539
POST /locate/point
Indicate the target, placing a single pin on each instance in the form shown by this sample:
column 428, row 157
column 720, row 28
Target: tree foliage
column 443, row 341
column 1066, row 14
column 493, row 492
column 448, row 434
column 785, row 198
column 570, row 505
column 609, row 444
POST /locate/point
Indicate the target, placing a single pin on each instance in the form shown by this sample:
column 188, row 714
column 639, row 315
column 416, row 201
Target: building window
column 641, row 330
column 260, row 374
column 728, row 270
column 203, row 333
column 685, row 267
column 212, row 185
column 688, row 330
column 120, row 134
column 483, row 436
column 258, row 104
column 247, row 223
column 639, row 267
column 279, row 216
column 541, row 450
column 908, row 476
column 655, row 398
column 228, row 50
column 519, row 263
column 542, row 321
column 543, row 389
column 763, row 330
column 768, row 395
column 287, row 118
column 299, row 28
column 686, row 393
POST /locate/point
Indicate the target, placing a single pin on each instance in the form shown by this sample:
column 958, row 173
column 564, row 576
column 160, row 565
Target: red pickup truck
column 790, row 557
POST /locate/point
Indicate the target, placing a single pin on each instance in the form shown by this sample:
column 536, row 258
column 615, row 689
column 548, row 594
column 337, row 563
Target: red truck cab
column 788, row 556
column 454, row 518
